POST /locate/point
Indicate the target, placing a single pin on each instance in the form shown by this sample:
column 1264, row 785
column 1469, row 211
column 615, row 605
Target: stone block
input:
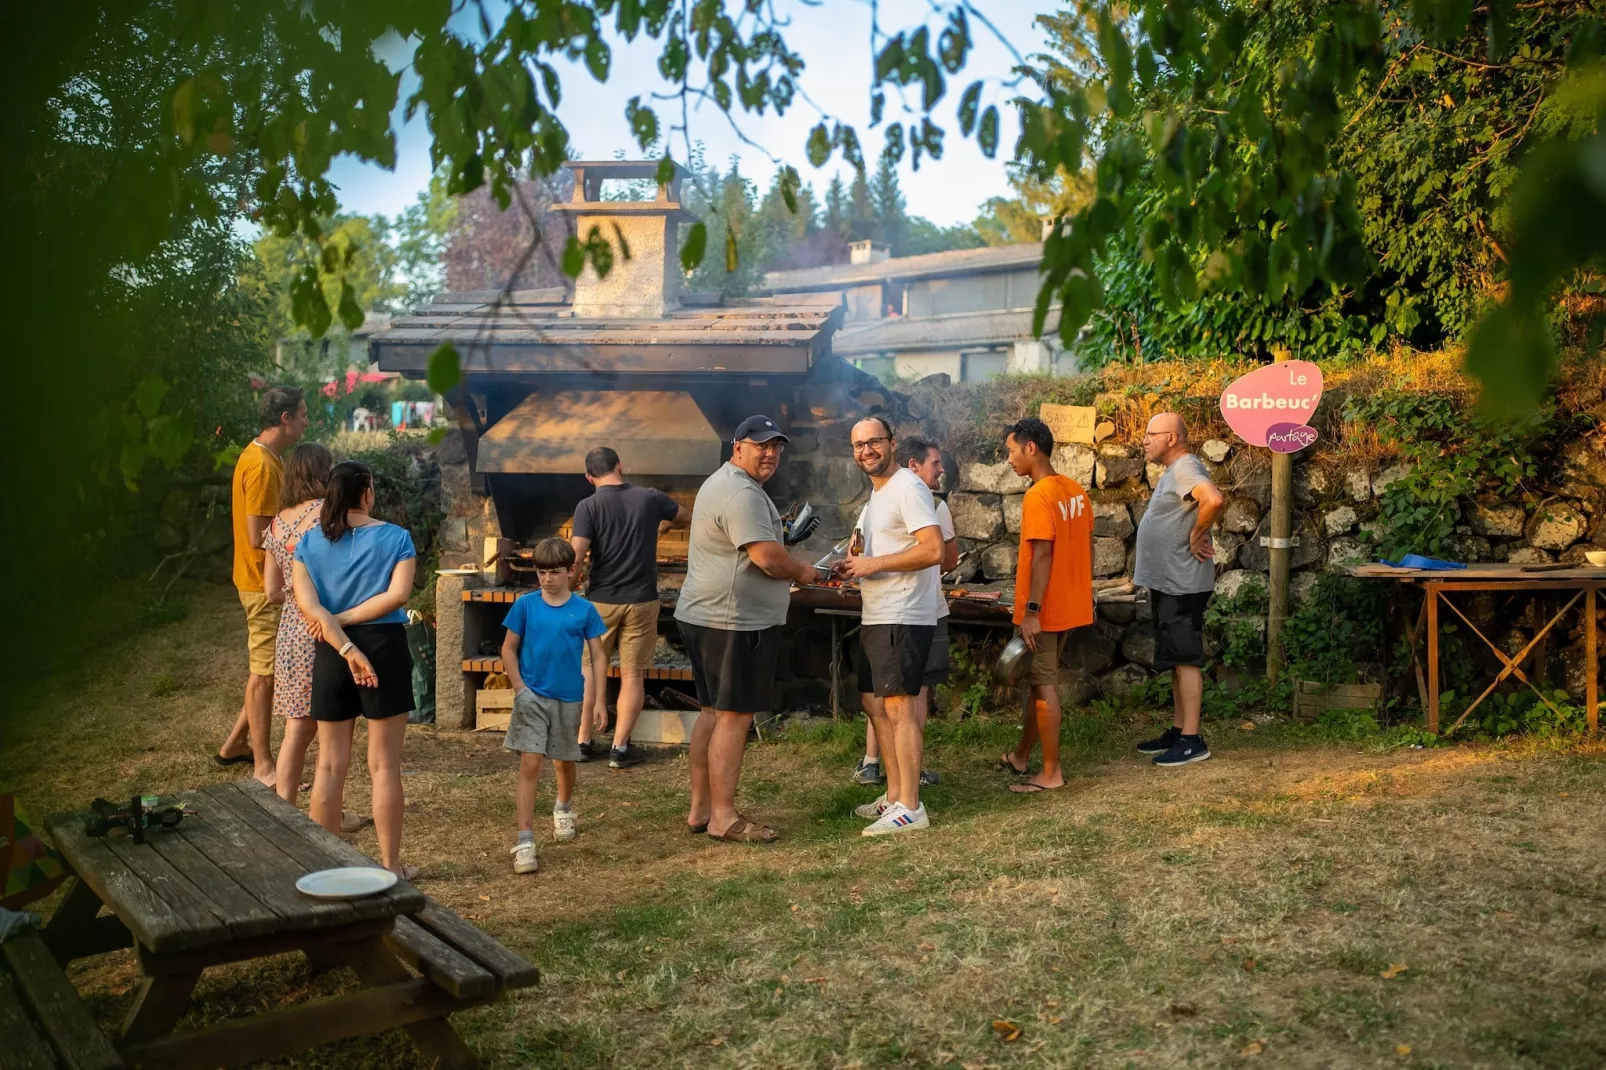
column 1088, row 651
column 1138, row 645
column 1215, row 450
column 1358, row 485
column 1346, row 550
column 1115, row 465
column 452, row 449
column 1374, row 531
column 1152, row 474
column 1230, row 584
column 1013, row 504
column 1556, row 526
column 1474, row 548
column 1226, row 546
column 998, row 563
column 1074, row 461
column 1391, row 474
column 451, row 706
column 803, row 441
column 1312, row 483
column 1076, row 689
column 1339, row 521
column 1112, row 520
column 977, row 516
column 1529, row 555
column 997, row 478
column 1308, row 551
column 1249, row 476
column 1300, row 586
column 1109, row 557
column 1120, row 683
column 1574, row 555
column 1137, row 506
column 1122, row 613
column 1496, row 519
column 1240, row 516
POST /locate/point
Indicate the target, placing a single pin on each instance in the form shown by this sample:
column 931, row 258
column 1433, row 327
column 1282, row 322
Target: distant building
column 967, row 312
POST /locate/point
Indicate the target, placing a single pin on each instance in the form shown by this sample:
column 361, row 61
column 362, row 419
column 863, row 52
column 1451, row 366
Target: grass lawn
column 1290, row 903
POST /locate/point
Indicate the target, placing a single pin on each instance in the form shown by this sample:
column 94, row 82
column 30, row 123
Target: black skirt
column 336, row 696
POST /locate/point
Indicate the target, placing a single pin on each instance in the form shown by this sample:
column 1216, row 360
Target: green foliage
column 1522, row 713
column 1336, row 631
column 1452, row 455
column 1235, row 628
column 403, row 496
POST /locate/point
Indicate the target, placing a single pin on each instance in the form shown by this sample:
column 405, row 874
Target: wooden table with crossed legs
column 220, row 888
column 1583, row 583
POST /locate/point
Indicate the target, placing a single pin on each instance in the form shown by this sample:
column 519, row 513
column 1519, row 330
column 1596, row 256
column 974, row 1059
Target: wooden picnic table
column 220, row 888
column 1585, row 581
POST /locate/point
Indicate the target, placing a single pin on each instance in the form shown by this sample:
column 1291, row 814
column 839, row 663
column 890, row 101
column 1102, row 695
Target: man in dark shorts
column 1175, row 561
column 731, row 609
column 900, row 591
column 923, row 457
column 620, row 525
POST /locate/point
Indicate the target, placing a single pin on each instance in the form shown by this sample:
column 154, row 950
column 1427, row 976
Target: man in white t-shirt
column 923, row 457
column 901, row 591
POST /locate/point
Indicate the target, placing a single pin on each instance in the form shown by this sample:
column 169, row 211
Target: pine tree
column 861, row 210
column 891, row 225
column 836, row 207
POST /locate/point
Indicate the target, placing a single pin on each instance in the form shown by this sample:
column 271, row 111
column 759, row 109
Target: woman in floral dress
column 306, row 474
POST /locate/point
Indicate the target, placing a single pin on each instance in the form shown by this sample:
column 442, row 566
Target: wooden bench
column 457, row 956
column 43, row 1022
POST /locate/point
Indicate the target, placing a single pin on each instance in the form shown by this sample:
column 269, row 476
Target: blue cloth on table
column 1431, row 564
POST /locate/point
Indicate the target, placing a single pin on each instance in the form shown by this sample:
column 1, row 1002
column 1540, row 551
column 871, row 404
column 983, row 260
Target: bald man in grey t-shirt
column 1175, row 561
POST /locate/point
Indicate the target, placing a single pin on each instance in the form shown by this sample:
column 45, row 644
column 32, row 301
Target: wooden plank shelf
column 657, row 672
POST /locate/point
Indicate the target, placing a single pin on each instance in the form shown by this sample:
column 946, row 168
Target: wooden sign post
column 1273, row 407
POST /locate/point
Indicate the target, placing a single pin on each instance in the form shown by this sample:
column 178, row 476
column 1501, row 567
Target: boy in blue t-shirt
column 546, row 633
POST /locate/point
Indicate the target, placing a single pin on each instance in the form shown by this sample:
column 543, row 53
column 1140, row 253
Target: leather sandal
column 745, row 831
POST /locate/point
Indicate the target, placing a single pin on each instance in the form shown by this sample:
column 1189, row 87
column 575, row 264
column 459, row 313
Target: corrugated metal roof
column 995, row 327
column 902, row 268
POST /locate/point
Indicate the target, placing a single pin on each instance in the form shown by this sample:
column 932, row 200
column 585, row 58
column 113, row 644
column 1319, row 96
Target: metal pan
column 1011, row 665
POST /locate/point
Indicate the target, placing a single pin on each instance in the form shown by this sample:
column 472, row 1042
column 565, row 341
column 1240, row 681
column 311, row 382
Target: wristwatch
column 1033, row 607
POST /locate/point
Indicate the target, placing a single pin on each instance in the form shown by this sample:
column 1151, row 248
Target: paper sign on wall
column 1272, row 406
column 1070, row 423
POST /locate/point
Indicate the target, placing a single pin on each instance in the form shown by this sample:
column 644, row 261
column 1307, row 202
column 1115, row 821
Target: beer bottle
column 856, row 546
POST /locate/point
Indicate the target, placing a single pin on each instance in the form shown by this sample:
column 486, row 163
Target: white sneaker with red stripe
column 872, row 810
column 898, row 818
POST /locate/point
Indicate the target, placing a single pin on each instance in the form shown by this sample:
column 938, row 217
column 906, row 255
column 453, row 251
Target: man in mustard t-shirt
column 257, row 476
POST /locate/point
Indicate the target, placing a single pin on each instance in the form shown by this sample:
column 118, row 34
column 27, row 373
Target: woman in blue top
column 353, row 575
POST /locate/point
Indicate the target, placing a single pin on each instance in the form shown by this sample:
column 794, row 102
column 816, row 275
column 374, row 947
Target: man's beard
column 881, row 469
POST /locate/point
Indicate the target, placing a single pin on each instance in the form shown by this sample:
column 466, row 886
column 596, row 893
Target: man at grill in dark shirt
column 619, row 525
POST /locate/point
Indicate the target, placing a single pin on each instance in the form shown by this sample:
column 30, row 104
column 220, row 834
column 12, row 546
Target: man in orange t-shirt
column 1053, row 591
column 257, row 475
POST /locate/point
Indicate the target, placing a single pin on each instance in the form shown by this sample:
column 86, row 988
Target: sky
column 833, row 37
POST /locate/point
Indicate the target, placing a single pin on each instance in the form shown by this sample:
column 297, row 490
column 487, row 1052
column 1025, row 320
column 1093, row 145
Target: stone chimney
column 868, row 252
column 646, row 286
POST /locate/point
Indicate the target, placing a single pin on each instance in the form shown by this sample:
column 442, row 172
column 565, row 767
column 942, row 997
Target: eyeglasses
column 1157, row 434
column 870, row 444
column 772, row 446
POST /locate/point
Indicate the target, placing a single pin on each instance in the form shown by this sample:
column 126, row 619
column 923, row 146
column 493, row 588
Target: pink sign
column 1272, row 406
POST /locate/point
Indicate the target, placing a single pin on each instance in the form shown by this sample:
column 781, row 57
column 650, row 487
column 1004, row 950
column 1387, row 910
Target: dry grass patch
column 1254, row 908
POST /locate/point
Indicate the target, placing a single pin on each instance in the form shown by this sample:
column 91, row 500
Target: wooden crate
column 1312, row 699
column 493, row 709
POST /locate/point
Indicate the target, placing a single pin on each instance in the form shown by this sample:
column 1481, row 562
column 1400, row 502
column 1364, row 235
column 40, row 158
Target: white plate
column 352, row 882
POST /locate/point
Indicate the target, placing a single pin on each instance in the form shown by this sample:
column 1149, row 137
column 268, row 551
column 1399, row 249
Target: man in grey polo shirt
column 730, row 612
column 1175, row 561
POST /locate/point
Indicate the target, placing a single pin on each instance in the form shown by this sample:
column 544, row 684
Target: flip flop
column 745, row 831
column 238, row 759
column 697, row 830
column 1009, row 767
column 1029, row 788
column 352, row 822
column 409, row 872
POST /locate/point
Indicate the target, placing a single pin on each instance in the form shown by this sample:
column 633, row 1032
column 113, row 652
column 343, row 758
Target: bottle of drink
column 856, row 546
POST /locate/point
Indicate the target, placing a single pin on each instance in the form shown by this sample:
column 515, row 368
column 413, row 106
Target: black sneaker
column 868, row 773
column 928, row 778
column 625, row 756
column 1162, row 743
column 1185, row 750
column 588, row 751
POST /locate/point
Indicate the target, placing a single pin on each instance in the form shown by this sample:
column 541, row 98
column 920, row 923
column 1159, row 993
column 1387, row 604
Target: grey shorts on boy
column 542, row 725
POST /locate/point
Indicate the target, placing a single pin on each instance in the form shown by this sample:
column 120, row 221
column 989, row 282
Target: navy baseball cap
column 758, row 429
